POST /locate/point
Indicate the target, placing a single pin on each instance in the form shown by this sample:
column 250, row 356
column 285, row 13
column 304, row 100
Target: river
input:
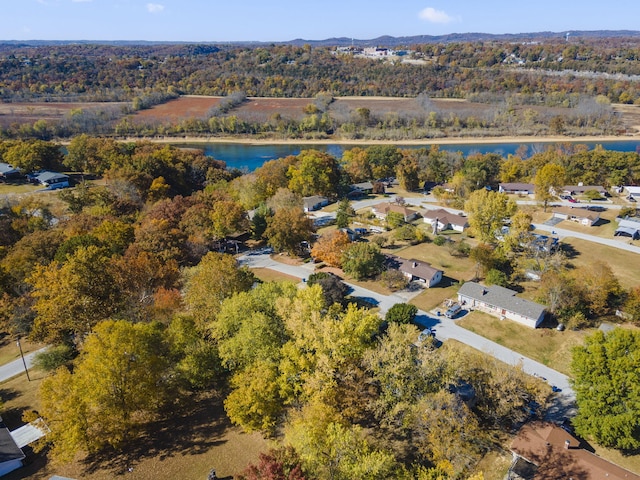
column 251, row 156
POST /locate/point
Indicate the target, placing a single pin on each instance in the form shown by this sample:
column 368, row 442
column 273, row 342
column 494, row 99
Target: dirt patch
column 179, row 109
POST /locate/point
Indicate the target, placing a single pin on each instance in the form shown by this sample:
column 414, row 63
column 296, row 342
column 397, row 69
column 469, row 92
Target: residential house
column 383, row 209
column 517, row 188
column 364, row 187
column 543, row 450
column 314, row 202
column 632, row 191
column 8, row 171
column 501, row 302
column 628, row 227
column 416, row 270
column 53, row 180
column 580, row 215
column 580, row 189
column 440, row 219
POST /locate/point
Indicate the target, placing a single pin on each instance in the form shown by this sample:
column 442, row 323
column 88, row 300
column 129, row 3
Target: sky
column 281, row 20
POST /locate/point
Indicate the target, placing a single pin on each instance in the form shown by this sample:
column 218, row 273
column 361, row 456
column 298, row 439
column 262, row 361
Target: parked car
column 453, row 310
column 573, row 200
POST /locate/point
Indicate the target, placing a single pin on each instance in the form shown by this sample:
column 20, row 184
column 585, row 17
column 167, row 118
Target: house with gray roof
column 8, row 171
column 315, row 202
column 440, row 219
column 501, row 302
column 53, row 180
column 628, row 227
column 517, row 188
column 582, row 216
column 416, row 270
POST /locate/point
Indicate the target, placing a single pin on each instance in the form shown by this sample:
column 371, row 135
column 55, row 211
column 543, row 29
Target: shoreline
column 425, row 142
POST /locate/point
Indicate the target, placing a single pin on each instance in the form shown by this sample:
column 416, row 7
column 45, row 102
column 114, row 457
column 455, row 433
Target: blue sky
column 279, row 20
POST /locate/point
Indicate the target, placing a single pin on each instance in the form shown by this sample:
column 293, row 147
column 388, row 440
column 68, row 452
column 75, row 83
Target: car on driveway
column 453, row 310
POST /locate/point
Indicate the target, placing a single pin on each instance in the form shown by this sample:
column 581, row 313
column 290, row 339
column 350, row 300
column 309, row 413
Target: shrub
column 54, row 357
column 439, row 240
column 394, row 279
column 401, row 313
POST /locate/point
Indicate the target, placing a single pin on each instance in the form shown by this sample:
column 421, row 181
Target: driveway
column 445, row 329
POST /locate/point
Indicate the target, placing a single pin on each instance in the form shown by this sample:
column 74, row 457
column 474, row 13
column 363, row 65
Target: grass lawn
column 9, row 349
column 620, row 261
column 12, row 188
column 545, row 345
column 268, row 275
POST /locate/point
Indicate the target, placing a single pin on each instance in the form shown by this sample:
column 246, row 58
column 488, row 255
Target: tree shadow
column 191, row 430
column 8, row 394
column 569, row 251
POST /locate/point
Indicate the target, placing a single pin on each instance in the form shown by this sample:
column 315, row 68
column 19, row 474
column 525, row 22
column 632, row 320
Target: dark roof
column 314, row 200
column 503, row 298
column 8, row 449
column 543, row 444
column 516, row 186
column 362, row 186
column 584, row 188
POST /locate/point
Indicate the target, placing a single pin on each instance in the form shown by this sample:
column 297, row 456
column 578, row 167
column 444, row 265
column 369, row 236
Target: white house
column 383, row 209
column 53, row 180
column 501, row 302
column 517, row 188
column 445, row 220
column 580, row 215
column 416, row 270
column 314, row 202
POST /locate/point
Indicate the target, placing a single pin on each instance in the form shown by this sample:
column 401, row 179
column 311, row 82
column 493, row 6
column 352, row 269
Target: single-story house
column 383, row 209
column 441, row 219
column 628, row 227
column 631, row 190
column 580, row 215
column 314, row 202
column 501, row 302
column 8, row 171
column 53, row 180
column 517, row 188
column 542, row 450
column 580, row 189
column 416, row 270
column 362, row 187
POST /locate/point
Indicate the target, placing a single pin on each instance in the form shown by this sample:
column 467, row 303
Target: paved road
column 16, row 367
column 445, row 329
column 611, row 242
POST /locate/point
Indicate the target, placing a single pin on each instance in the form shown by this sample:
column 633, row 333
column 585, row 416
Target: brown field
column 178, row 109
column 31, row 112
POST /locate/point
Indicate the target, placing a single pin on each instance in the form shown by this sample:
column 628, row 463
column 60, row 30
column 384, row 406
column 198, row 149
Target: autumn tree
column 215, row 278
column 605, row 371
column 118, row 384
column 316, row 173
column 488, row 211
column 549, row 181
column 355, row 162
column 70, row 298
column 330, row 247
column 333, row 289
column 287, row 229
column 344, row 213
column 407, row 171
column 277, row 464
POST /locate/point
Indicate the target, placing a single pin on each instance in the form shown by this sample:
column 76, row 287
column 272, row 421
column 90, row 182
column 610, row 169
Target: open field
column 33, row 111
column 623, row 263
column 268, row 275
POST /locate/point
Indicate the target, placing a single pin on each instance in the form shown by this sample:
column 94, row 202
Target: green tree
column 488, row 211
column 117, row 386
column 344, row 213
column 362, row 260
column 605, row 379
column 401, row 313
column 548, row 181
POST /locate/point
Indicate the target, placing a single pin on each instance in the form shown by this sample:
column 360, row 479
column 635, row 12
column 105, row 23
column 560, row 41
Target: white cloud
column 154, row 7
column 432, row 15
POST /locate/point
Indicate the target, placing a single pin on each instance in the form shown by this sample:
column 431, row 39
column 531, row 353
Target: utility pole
column 23, row 361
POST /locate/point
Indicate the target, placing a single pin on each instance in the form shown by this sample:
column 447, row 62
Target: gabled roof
column 9, row 451
column 503, row 298
column 362, row 186
column 417, row 268
column 577, row 212
column 387, row 207
column 45, row 177
column 517, row 186
column 544, row 445
column 584, row 188
column 314, row 200
column 6, row 169
column 446, row 217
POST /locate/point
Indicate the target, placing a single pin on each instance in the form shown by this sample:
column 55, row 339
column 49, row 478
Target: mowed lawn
column 545, row 345
column 455, row 269
column 623, row 263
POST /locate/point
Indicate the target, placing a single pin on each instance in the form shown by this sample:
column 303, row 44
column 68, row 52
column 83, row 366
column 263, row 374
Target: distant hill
column 385, row 40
